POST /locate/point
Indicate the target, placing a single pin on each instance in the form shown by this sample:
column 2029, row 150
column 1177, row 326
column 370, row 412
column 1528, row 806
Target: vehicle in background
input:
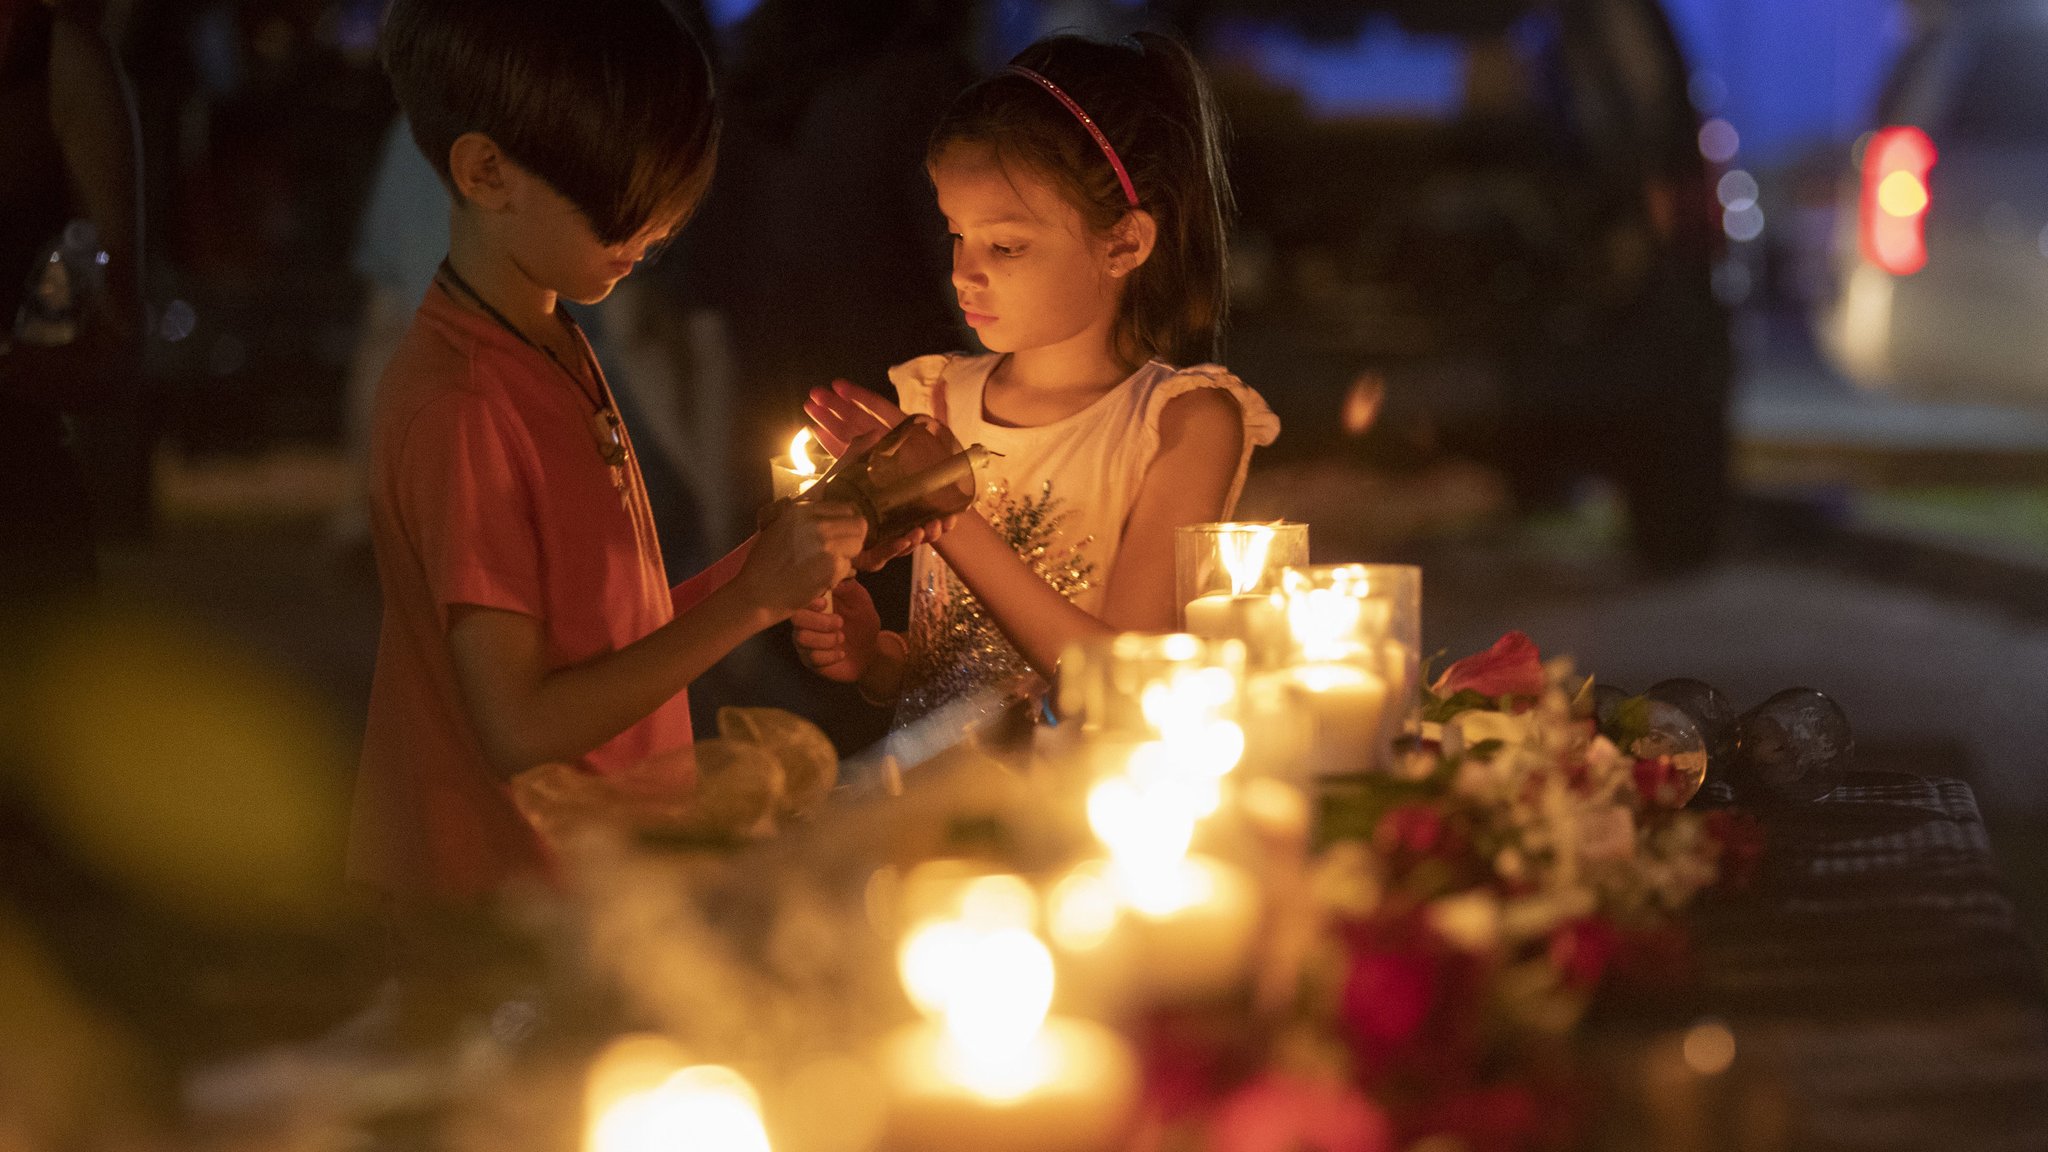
column 1942, row 238
column 1484, row 227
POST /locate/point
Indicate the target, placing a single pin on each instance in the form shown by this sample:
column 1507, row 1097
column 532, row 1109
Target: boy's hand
column 805, row 550
column 874, row 558
column 839, row 644
column 846, row 411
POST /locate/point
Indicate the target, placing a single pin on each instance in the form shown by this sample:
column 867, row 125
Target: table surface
column 1877, row 964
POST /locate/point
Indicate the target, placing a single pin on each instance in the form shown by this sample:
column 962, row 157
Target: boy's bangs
column 610, row 102
column 646, row 154
column 664, row 187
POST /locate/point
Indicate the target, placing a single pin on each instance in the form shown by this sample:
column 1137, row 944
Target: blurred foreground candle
column 987, row 1069
column 1356, row 635
column 639, row 1099
column 1226, row 576
column 1183, row 929
column 1138, row 686
column 792, row 474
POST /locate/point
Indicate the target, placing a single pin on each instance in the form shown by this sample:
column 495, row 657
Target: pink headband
column 1088, row 122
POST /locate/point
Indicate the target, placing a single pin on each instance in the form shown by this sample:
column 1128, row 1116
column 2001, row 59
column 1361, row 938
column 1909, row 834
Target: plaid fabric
column 1875, row 978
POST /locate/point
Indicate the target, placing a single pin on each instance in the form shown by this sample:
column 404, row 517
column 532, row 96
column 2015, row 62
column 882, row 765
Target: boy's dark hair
column 1148, row 95
column 609, row 101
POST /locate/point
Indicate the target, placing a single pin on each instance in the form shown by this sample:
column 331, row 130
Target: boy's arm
column 528, row 714
column 1201, row 439
column 691, row 592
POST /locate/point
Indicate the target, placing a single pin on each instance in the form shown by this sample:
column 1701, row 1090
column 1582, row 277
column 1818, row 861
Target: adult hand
column 800, row 553
column 838, row 644
column 845, row 412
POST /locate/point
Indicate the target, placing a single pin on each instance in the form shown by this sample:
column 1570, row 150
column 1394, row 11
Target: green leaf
column 1438, row 711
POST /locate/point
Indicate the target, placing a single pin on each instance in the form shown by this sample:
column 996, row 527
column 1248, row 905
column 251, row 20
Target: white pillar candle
column 1347, row 707
column 1258, row 619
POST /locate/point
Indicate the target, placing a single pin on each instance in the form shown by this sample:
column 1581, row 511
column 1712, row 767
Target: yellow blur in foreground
column 183, row 767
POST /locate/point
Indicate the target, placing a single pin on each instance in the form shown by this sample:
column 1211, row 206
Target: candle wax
column 1203, row 947
column 1258, row 619
column 1079, row 1096
column 786, row 480
column 1347, row 706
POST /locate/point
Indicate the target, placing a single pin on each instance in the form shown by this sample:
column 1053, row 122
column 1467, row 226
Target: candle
column 792, row 474
column 639, row 1098
column 1347, row 709
column 1080, row 1099
column 1358, row 626
column 1258, row 619
column 1192, row 918
column 1192, row 927
column 987, row 1069
column 1215, row 563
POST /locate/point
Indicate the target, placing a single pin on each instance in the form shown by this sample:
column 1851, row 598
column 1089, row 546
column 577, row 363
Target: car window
column 2001, row 95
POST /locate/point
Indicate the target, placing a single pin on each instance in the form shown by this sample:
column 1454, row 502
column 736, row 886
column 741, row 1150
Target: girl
column 1085, row 197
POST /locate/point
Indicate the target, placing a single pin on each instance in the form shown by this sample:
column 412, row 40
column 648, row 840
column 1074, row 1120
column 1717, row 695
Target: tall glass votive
column 1227, row 580
column 1355, row 643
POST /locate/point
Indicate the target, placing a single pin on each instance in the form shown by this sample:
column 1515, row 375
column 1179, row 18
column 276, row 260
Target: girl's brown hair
column 1148, row 96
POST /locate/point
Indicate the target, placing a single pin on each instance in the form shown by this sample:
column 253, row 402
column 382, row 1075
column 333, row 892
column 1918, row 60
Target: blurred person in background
column 819, row 249
column 818, row 255
column 70, row 317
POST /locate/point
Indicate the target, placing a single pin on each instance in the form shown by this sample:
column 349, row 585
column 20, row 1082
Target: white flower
column 1480, row 725
column 1469, row 920
column 1540, row 914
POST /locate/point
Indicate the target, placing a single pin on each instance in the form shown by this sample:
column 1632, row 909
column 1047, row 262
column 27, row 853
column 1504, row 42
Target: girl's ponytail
column 1184, row 303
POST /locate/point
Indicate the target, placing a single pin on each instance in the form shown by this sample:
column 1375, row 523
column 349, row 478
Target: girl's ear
column 1131, row 240
column 480, row 172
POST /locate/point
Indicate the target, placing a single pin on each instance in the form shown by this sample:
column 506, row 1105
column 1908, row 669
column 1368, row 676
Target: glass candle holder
column 1136, row 685
column 1354, row 644
column 1227, row 580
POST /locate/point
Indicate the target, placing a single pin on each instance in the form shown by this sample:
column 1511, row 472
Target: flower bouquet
column 1458, row 917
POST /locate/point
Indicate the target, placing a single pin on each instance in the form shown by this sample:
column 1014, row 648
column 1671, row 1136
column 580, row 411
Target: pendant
column 611, row 437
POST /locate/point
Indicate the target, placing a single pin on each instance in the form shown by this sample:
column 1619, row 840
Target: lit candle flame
column 1242, row 550
column 989, row 980
column 800, row 461
column 709, row 1105
column 1340, row 620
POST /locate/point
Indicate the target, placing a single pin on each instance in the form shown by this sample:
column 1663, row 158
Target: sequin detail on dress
column 955, row 647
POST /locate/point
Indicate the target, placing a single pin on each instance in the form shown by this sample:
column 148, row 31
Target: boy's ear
column 480, row 171
column 1131, row 241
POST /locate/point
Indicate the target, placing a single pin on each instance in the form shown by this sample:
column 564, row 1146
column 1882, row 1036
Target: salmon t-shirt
column 488, row 488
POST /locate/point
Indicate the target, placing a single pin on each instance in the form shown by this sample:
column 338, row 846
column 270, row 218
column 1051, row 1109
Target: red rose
column 1388, row 996
column 1512, row 667
column 1283, row 1113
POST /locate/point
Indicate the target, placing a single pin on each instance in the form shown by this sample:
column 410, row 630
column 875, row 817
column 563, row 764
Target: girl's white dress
column 1060, row 493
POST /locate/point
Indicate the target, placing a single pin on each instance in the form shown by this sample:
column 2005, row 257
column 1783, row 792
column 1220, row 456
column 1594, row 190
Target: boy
column 527, row 617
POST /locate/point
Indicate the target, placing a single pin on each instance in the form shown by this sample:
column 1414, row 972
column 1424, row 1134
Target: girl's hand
column 846, row 411
column 805, row 550
column 875, row 558
column 839, row 644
